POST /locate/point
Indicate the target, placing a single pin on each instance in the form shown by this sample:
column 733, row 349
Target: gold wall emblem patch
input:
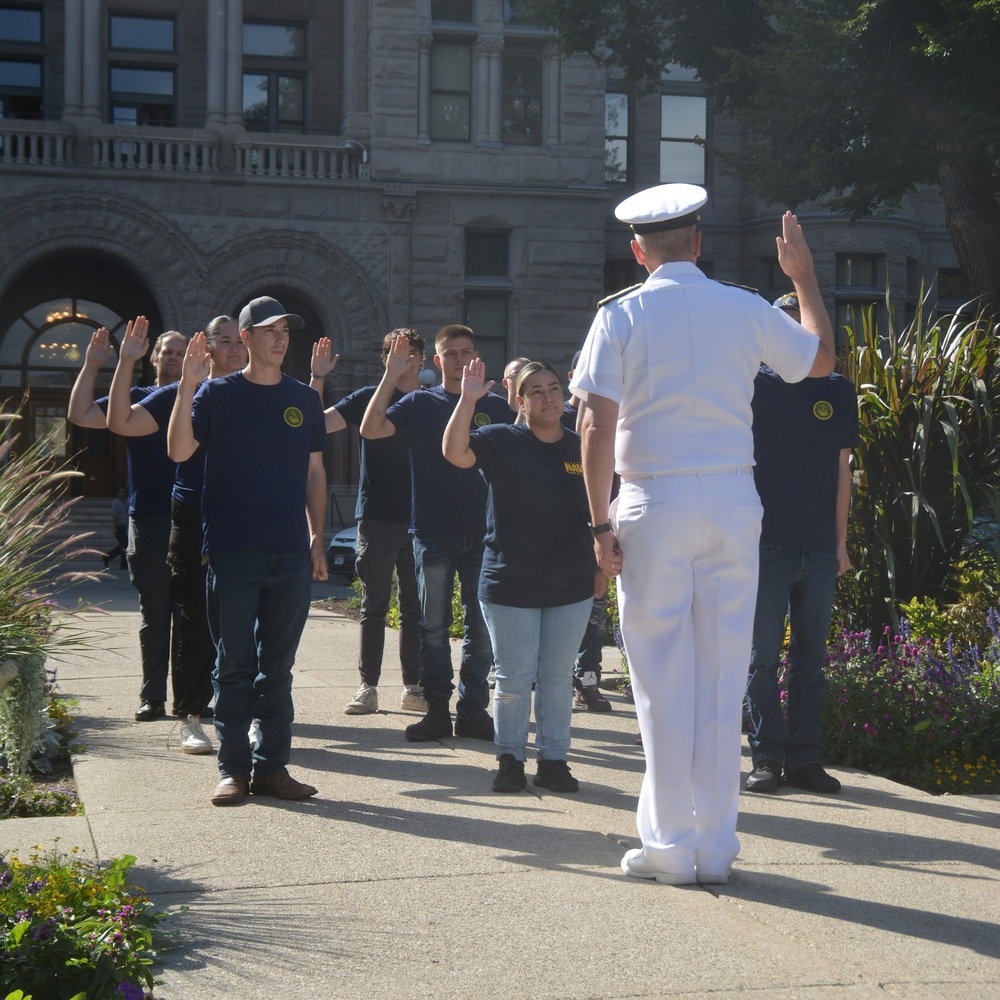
column 293, row 416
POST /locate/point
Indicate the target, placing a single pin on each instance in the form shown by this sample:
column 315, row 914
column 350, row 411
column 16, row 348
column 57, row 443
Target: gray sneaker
column 412, row 699
column 365, row 701
column 194, row 739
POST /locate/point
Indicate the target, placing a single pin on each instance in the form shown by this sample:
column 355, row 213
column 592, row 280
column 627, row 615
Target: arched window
column 46, row 344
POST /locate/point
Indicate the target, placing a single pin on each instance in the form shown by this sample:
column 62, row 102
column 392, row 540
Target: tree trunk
column 972, row 216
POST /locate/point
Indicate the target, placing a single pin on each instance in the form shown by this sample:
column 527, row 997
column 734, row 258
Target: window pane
column 487, row 315
column 143, row 81
column 521, row 114
column 451, row 67
column 682, row 162
column 290, row 115
column 18, row 334
column 20, row 74
column 616, row 114
column 280, row 40
column 675, row 71
column 615, row 161
column 452, row 10
column 682, row 117
column 122, row 115
column 486, row 254
column 450, row 116
column 857, row 271
column 154, row 34
column 255, row 102
column 20, row 25
column 61, row 346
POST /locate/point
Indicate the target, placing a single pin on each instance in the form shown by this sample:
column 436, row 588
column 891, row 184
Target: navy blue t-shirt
column 799, row 430
column 189, row 476
column 257, row 441
column 539, row 549
column 447, row 500
column 384, row 489
column 150, row 470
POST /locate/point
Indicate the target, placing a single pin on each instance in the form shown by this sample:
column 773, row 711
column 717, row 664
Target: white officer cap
column 666, row 206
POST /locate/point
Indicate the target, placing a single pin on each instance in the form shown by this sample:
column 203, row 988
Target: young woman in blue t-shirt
column 539, row 577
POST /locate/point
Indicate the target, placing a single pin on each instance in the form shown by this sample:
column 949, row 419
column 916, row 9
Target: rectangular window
column 142, row 96
column 616, row 138
column 860, row 290
column 860, row 270
column 488, row 315
column 457, row 11
column 620, row 273
column 18, row 24
column 273, row 102
column 451, row 91
column 487, row 254
column 516, row 12
column 144, row 34
column 521, row 113
column 279, row 41
column 682, row 122
column 20, row 89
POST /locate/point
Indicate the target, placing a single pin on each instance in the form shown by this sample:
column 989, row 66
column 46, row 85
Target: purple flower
column 5, row 879
column 32, row 887
column 129, row 991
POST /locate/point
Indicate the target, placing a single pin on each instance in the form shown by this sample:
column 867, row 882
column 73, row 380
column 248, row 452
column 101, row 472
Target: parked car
column 342, row 551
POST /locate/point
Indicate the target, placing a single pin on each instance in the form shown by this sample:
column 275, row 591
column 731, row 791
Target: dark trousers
column 385, row 546
column 118, row 552
column 192, row 674
column 148, row 538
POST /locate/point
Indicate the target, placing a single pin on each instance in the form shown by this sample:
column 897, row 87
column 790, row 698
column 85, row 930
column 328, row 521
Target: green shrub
column 72, row 928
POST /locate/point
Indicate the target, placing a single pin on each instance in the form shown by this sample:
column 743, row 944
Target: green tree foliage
column 851, row 104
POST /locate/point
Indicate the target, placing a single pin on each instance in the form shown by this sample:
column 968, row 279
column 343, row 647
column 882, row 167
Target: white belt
column 715, row 470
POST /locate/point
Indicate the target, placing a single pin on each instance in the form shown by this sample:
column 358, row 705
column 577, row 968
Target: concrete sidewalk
column 408, row 877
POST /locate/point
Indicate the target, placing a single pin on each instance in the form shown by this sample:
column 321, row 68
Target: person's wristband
column 313, row 375
column 600, row 529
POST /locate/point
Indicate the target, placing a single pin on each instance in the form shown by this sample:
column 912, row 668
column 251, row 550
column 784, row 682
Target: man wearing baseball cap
column 263, row 503
column 666, row 378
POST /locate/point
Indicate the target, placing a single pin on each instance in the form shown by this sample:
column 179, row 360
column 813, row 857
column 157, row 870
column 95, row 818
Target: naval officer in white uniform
column 666, row 378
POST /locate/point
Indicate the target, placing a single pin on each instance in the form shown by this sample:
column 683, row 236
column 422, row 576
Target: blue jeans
column 534, row 646
column 258, row 603
column 384, row 546
column 588, row 660
column 798, row 583
column 438, row 559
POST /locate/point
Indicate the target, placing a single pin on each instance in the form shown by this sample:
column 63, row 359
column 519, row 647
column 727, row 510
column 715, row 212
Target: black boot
column 434, row 725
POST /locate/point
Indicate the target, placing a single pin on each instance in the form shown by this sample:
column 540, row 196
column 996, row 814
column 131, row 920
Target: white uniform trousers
column 687, row 592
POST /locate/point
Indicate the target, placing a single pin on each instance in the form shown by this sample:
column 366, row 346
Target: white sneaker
column 412, row 699
column 365, row 702
column 194, row 739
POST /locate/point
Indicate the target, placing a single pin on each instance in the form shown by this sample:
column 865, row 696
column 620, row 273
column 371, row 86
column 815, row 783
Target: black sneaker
column 433, row 726
column 812, row 778
column 589, row 696
column 475, row 727
column 150, row 710
column 764, row 777
column 554, row 775
column 510, row 777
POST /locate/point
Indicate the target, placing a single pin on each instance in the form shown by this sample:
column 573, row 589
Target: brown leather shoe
column 230, row 791
column 281, row 784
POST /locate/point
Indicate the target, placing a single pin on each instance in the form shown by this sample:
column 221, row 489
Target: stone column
column 424, row 89
column 234, row 62
column 489, row 89
column 72, row 56
column 551, row 94
column 356, row 68
column 215, row 83
column 399, row 201
column 92, row 61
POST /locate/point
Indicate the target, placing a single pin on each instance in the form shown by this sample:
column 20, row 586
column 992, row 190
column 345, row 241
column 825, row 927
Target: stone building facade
column 372, row 165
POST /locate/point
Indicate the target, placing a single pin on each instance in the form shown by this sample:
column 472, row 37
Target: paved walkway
column 406, row 877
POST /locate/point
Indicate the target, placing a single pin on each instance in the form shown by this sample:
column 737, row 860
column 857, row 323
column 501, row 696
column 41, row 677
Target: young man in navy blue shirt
column 150, row 480
column 448, row 525
column 263, row 505
column 803, row 434
column 384, row 544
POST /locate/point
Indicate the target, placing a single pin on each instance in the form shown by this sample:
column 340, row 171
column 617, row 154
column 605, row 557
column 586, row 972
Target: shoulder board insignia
column 618, row 295
column 735, row 284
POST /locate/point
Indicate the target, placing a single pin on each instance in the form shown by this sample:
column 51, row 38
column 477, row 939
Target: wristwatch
column 600, row 529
